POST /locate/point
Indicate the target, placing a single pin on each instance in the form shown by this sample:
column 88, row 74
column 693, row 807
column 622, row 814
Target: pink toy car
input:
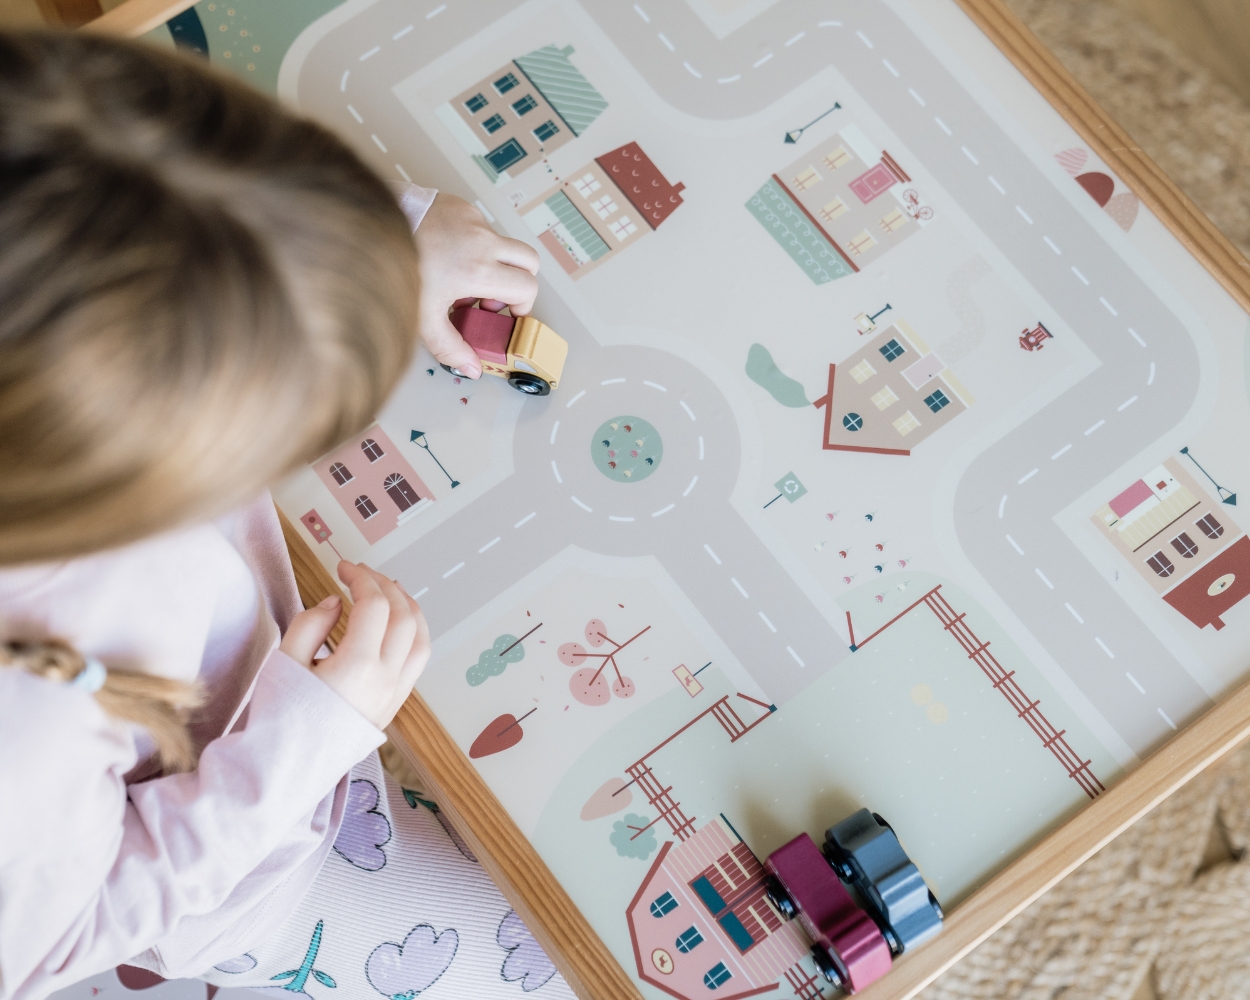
column 850, row 950
column 529, row 354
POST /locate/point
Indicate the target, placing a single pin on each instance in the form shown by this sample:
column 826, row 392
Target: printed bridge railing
column 1004, row 682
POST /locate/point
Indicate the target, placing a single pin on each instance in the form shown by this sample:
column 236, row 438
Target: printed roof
column 642, row 183
column 563, row 87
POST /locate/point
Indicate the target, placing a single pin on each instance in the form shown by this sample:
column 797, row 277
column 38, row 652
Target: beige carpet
column 1164, row 911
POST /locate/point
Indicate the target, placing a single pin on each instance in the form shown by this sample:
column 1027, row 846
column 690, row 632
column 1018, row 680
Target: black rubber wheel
column 778, row 896
column 531, row 385
column 837, row 860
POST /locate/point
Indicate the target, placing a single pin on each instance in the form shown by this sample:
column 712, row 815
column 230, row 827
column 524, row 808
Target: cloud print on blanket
column 401, row 971
column 526, row 959
column 364, row 829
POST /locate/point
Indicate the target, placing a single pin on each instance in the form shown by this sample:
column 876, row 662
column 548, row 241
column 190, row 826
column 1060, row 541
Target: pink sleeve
column 416, row 201
column 186, row 841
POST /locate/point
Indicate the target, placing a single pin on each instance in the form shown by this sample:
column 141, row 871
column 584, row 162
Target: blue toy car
column 864, row 850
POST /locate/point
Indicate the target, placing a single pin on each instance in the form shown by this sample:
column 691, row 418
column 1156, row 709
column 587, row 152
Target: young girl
column 198, row 293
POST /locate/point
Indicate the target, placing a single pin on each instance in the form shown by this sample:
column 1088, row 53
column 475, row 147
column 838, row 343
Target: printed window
column 502, row 157
column 476, row 103
column 505, row 83
column 525, row 105
column 373, row 451
column 586, row 185
column 861, row 244
column 806, row 179
column 862, row 372
column 1209, row 525
column 716, row 976
column 688, row 939
column 837, row 158
column 342, row 475
column 622, row 228
column 885, row 398
column 906, row 423
column 493, row 124
column 545, row 131
column 1161, row 564
column 663, row 904
column 832, row 209
column 891, row 349
column 605, row 206
column 1185, row 545
column 893, row 221
column 936, row 401
column 364, row 507
column 852, row 422
column 706, row 892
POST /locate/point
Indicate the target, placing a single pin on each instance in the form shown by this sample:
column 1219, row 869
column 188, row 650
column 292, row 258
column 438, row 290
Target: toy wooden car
column 527, row 353
column 864, row 850
column 850, row 951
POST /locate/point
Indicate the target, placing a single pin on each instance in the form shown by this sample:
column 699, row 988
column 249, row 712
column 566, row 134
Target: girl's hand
column 460, row 260
column 383, row 652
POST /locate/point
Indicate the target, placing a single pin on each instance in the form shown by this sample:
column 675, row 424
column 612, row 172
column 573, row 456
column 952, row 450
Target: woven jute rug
column 1164, row 910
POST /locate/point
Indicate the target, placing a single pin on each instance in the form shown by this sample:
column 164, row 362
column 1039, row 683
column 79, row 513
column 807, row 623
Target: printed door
column 399, row 490
column 874, row 182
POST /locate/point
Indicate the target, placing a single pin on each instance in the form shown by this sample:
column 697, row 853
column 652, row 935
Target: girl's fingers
column 518, row 254
column 419, row 655
column 448, row 347
column 310, row 629
column 366, row 625
column 508, row 284
column 401, row 628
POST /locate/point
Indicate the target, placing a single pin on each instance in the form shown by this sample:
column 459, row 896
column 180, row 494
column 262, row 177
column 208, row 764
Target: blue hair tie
column 92, row 676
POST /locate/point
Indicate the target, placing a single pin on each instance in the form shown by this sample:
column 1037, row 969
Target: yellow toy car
column 529, row 354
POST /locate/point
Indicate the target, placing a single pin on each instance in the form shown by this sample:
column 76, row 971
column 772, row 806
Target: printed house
column 522, row 111
column 701, row 922
column 373, row 483
column 840, row 207
column 609, row 204
column 890, row 395
column 1183, row 543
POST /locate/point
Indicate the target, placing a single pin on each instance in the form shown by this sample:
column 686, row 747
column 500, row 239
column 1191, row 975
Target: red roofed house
column 890, row 395
column 1183, row 543
column 702, row 926
column 609, row 204
column 373, row 483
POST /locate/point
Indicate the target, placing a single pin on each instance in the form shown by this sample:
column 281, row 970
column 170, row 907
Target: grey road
column 1146, row 382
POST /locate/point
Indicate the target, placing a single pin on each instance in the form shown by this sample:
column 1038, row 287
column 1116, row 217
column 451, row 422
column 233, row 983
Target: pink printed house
column 701, row 921
column 373, row 483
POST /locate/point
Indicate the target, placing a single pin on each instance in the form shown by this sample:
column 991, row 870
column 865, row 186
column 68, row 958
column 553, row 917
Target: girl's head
column 198, row 292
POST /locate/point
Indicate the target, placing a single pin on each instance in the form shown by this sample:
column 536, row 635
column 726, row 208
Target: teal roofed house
column 566, row 90
column 522, row 112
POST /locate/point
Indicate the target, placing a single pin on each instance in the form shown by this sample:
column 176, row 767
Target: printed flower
column 364, row 829
column 401, row 971
column 526, row 959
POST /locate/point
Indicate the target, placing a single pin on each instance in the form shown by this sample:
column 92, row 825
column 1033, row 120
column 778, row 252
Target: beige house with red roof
column 607, row 205
column 890, row 395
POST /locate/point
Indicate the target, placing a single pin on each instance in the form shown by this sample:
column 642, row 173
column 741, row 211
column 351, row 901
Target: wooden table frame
column 515, row 865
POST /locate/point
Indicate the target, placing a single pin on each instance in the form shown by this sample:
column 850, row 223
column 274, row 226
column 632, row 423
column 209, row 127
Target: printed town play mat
column 895, row 463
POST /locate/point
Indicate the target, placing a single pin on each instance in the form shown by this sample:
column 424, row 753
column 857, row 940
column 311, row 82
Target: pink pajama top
column 101, row 863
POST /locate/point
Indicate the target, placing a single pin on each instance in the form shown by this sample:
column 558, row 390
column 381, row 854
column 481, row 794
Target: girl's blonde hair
column 199, row 292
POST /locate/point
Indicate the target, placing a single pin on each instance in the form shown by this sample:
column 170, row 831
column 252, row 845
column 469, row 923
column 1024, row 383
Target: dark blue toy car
column 865, row 852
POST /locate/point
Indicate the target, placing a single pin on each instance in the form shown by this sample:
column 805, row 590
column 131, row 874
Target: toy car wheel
column 531, row 385
column 778, row 896
column 838, row 861
column 455, row 371
column 937, row 907
column 826, row 967
column 881, row 821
